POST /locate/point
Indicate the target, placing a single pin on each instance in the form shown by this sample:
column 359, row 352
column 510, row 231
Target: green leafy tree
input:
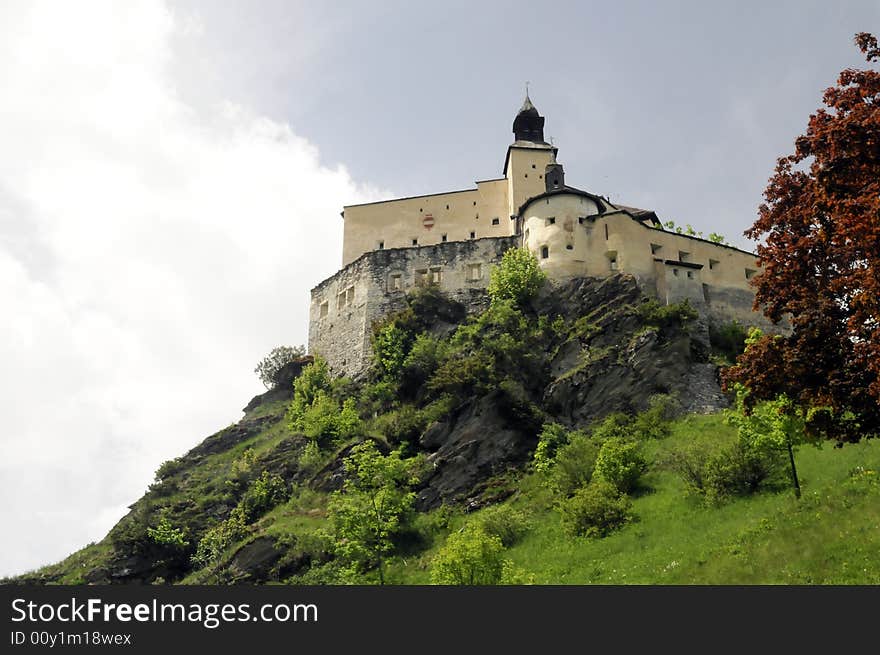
column 771, row 425
column 374, row 504
column 595, row 510
column 517, row 278
column 268, row 368
column 314, row 379
column 469, row 557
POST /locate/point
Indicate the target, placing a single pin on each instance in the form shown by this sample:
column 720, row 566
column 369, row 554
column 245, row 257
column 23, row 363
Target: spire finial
column 527, row 88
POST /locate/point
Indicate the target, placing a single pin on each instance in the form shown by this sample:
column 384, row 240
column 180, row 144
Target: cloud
column 151, row 252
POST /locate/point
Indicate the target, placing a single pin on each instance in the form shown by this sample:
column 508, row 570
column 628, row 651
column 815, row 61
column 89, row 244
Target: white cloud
column 150, row 254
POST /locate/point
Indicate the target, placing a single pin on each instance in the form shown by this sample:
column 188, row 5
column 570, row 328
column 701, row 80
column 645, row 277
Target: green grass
column 830, row 536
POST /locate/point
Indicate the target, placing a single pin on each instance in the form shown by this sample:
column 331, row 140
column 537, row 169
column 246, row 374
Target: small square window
column 436, row 276
column 325, row 308
column 396, row 282
column 422, row 276
column 655, row 248
column 495, row 221
column 381, row 245
column 613, row 261
column 545, row 252
column 690, row 275
column 568, row 246
column 684, row 256
column 415, row 242
column 713, row 264
column 473, row 235
column 474, row 272
column 551, row 220
column 443, row 238
column 349, row 296
column 675, row 272
column 750, row 273
column 582, row 220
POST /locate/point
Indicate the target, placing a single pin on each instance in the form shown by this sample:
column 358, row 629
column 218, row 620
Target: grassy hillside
column 479, row 448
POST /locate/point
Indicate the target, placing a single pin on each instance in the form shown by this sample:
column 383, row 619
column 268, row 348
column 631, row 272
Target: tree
column 517, row 278
column 821, row 266
column 268, row 368
column 469, row 557
column 373, row 505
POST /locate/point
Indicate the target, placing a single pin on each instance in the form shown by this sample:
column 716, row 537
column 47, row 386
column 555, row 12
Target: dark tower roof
column 528, row 124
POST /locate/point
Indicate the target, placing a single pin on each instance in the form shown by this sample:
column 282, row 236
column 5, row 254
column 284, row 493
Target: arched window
column 545, row 252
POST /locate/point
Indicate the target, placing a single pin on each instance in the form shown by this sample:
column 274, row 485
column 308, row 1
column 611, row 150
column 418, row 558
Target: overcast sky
column 171, row 177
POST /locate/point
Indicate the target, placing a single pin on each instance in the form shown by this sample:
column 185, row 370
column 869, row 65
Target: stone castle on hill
column 452, row 239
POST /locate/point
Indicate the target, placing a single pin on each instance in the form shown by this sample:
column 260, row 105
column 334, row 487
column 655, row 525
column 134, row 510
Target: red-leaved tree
column 821, row 256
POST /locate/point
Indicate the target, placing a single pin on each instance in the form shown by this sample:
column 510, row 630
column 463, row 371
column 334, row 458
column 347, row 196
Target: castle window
column 474, row 272
column 436, row 276
column 381, row 245
column 325, row 308
column 443, row 238
column 422, row 276
column 713, row 264
column 568, row 246
column 655, row 248
column 349, row 296
column 420, row 210
column 750, row 273
column 495, row 221
column 527, row 174
column 613, row 262
column 447, row 206
column 475, row 203
column 473, row 235
column 684, row 256
column 581, row 220
column 340, row 301
column 396, row 282
column 540, row 177
column 675, row 272
column 551, row 220
column 606, row 231
column 533, row 166
column 545, row 252
column 415, row 242
column 690, row 275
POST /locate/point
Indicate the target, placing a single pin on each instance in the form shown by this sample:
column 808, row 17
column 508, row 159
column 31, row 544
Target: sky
column 171, row 177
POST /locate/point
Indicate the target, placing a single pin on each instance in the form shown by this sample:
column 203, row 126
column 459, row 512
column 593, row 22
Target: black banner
column 405, row 619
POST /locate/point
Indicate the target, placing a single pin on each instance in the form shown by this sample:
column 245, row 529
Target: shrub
column 620, row 463
column 654, row 422
column 517, row 278
column 552, row 437
column 469, row 557
column 423, row 359
column 325, row 422
column 614, row 426
column 662, row 316
column 241, row 471
column 390, row 346
column 311, row 457
column 168, row 469
column 268, row 368
column 265, row 492
column 165, row 534
column 595, row 510
column 221, row 536
column 574, row 464
column 718, row 472
column 505, row 522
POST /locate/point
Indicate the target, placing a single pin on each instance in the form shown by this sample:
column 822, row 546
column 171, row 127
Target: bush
column 221, row 536
column 574, row 464
column 654, row 422
column 423, row 359
column 265, row 492
column 168, row 469
column 325, row 422
column 166, row 534
column 663, row 316
column 614, row 426
column 314, row 379
column 241, row 471
column 268, row 368
column 469, row 557
column 553, row 436
column 505, row 522
column 620, row 463
column 595, row 510
column 311, row 457
column 718, row 472
column 517, row 278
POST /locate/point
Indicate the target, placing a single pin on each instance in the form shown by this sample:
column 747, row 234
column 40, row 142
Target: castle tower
column 528, row 157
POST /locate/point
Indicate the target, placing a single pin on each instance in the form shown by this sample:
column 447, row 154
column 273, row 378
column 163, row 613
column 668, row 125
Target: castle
column 452, row 239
